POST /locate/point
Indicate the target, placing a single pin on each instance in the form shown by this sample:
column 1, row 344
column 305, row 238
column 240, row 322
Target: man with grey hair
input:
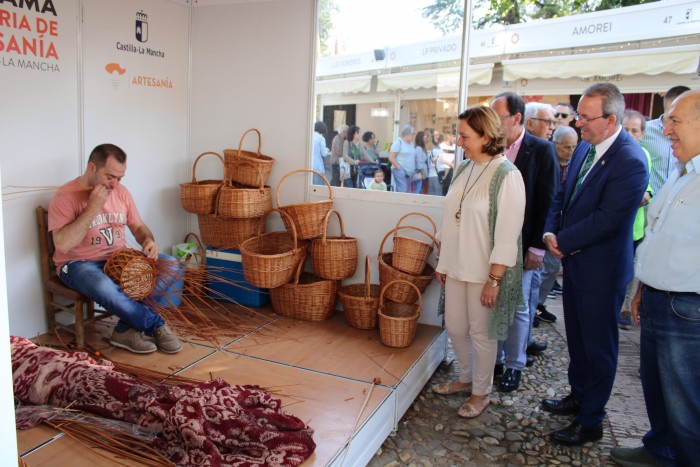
column 589, row 228
column 337, row 153
column 539, row 119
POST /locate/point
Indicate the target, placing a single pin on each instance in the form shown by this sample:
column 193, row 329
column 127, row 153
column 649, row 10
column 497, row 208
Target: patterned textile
column 209, row 424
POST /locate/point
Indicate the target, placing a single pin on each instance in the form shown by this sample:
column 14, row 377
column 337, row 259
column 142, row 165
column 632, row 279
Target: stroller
column 366, row 173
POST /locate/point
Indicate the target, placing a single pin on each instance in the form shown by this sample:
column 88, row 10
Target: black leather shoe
column 529, row 361
column 510, row 381
column 576, row 435
column 565, row 406
column 536, row 322
column 536, row 348
column 545, row 315
column 498, row 370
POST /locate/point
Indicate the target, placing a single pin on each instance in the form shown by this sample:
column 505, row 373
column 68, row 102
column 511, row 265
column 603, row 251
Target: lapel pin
column 602, row 163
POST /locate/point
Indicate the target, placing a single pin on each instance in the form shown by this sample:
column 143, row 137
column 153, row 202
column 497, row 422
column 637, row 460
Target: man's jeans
column 88, row 278
column 548, row 275
column 670, row 378
column 512, row 350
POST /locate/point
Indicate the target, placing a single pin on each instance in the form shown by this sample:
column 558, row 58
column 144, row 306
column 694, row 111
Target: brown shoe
column 166, row 340
column 451, row 387
column 132, row 340
column 471, row 409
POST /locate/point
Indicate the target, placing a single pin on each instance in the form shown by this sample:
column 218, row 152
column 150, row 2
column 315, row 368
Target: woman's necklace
column 467, row 188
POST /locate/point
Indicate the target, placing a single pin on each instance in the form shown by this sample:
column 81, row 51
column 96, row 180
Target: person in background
column 88, row 217
column 402, row 156
column 446, row 162
column 539, row 119
column 320, row 152
column 433, row 152
column 370, row 155
column 421, row 162
column 634, row 123
column 337, row 154
column 480, row 263
column 378, row 183
column 352, row 154
column 564, row 113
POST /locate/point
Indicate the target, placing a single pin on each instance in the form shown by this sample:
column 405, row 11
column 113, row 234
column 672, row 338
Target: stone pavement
column 514, row 430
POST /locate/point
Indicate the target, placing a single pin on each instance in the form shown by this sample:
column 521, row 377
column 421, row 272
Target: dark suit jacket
column 594, row 231
column 538, row 165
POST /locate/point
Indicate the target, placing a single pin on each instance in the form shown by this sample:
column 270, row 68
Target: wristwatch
column 493, row 282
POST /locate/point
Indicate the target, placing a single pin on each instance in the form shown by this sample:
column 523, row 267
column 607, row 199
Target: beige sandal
column 451, row 387
column 469, row 410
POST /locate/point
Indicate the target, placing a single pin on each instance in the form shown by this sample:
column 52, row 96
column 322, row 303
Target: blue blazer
column 594, row 229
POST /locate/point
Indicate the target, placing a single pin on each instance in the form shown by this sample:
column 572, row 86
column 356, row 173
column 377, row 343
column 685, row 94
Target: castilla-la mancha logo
column 141, row 26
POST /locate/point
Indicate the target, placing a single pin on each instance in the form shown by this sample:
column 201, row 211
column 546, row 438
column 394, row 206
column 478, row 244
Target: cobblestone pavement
column 514, row 430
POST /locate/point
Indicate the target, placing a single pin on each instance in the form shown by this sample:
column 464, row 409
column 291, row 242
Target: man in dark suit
column 590, row 228
column 537, row 161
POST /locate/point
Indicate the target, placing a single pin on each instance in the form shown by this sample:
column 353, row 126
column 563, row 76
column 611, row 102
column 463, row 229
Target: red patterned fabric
column 210, row 424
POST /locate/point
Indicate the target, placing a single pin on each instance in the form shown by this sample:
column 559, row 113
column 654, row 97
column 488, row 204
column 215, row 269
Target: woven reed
column 236, row 200
column 199, row 197
column 308, row 297
column 360, row 302
column 258, row 165
column 402, row 293
column 398, row 321
column 307, row 217
column 228, row 233
column 410, row 255
column 334, row 257
column 196, row 275
column 269, row 260
column 134, row 272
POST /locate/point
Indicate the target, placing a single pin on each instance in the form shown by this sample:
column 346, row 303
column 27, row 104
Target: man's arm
column 70, row 235
column 144, row 236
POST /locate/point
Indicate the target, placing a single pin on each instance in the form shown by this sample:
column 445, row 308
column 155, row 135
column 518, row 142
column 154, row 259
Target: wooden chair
column 54, row 288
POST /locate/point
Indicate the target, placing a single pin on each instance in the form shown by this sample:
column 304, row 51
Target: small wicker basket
column 360, row 302
column 308, row 298
column 134, row 272
column 334, row 257
column 402, row 293
column 410, row 255
column 199, row 197
column 398, row 321
column 259, row 165
column 307, row 217
column 240, row 201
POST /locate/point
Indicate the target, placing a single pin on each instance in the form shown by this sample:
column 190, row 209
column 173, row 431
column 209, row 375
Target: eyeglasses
column 546, row 120
column 584, row 120
column 559, row 114
column 505, row 116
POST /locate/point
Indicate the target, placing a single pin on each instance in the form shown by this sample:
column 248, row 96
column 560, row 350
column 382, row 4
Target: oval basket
column 258, row 165
column 134, row 272
column 228, row 232
column 360, row 302
column 402, row 293
column 308, row 297
column 398, row 321
column 307, row 217
column 199, row 197
column 240, row 201
column 334, row 257
column 196, row 272
column 270, row 260
column 411, row 255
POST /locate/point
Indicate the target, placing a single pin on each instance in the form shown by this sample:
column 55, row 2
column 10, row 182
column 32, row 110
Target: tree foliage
column 326, row 10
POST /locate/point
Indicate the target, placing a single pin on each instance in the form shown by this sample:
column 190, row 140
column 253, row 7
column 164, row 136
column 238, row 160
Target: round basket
column 308, row 298
column 334, row 257
column 228, row 232
column 360, row 302
column 200, row 197
column 269, row 260
column 259, row 164
column 398, row 321
column 410, row 255
column 402, row 293
column 240, row 201
column 307, row 217
column 134, row 272
column 196, row 271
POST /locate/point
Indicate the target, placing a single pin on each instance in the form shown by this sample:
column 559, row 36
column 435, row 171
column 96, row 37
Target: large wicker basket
column 134, row 272
column 240, row 201
column 410, row 255
column 360, row 302
column 307, row 217
column 199, row 197
column 398, row 321
column 195, row 270
column 402, row 293
column 308, row 298
column 270, row 259
column 334, row 257
column 258, row 164
column 227, row 232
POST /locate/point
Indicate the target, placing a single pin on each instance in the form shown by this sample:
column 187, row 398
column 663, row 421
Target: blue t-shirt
column 405, row 155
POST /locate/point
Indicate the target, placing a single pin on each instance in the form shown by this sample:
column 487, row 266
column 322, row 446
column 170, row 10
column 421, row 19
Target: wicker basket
column 200, row 197
column 308, row 298
column 410, row 255
column 402, row 293
column 259, row 164
column 226, row 232
column 270, row 259
column 240, row 201
column 398, row 321
column 307, row 217
column 334, row 257
column 360, row 302
column 195, row 271
column 134, row 272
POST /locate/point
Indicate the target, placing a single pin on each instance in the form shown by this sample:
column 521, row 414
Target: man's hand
column 98, row 198
column 532, row 260
column 636, row 302
column 440, row 278
column 553, row 245
column 150, row 248
column 645, row 199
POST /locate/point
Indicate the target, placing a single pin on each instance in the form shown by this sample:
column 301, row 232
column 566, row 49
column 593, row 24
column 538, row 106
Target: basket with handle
column 360, row 302
column 195, row 270
column 228, row 232
column 402, row 293
column 334, row 257
column 410, row 255
column 270, row 259
column 307, row 217
column 134, row 272
column 308, row 297
column 199, row 197
column 398, row 321
column 240, row 201
column 258, row 165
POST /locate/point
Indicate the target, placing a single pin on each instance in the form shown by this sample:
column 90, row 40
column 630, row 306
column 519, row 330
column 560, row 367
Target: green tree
column 326, row 10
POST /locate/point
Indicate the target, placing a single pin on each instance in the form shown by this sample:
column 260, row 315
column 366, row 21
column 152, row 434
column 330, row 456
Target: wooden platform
column 322, row 372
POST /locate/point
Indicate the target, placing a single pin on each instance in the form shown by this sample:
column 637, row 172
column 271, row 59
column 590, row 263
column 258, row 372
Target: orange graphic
column 114, row 67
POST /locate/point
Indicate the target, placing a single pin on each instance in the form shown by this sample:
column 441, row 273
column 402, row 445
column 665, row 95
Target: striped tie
column 587, row 164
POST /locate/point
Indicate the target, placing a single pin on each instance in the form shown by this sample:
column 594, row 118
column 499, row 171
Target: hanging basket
column 360, row 302
column 134, row 272
column 398, row 321
column 308, row 298
column 402, row 293
column 270, row 259
column 334, row 257
column 410, row 255
column 258, row 165
column 195, row 270
column 199, row 197
column 240, row 201
column 307, row 217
